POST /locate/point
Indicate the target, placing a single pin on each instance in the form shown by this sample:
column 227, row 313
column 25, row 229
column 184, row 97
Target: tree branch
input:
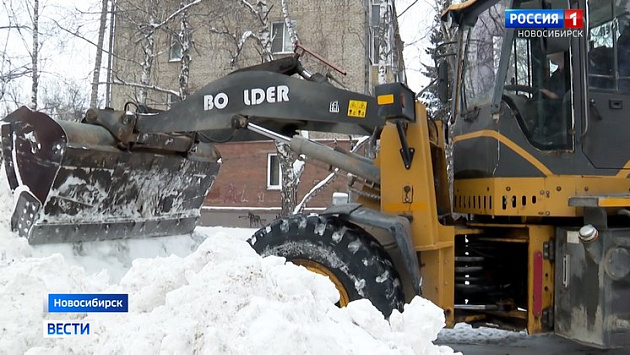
column 408, row 7
column 77, row 35
column 15, row 73
column 119, row 81
column 174, row 14
column 250, row 6
column 17, row 27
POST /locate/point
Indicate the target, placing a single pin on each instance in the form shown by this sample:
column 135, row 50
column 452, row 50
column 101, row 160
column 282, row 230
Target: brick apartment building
column 345, row 32
column 247, row 190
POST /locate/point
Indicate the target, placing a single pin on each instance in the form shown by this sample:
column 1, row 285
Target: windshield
column 533, row 79
column 483, row 52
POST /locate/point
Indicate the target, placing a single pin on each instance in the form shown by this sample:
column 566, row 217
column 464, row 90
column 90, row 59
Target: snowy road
column 486, row 341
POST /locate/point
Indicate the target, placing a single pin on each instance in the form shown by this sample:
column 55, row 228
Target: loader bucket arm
column 274, row 100
column 121, row 174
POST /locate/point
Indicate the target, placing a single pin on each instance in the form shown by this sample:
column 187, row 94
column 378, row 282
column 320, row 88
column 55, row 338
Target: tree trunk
column 110, row 56
column 290, row 24
column 147, row 65
column 35, row 55
column 290, row 180
column 288, row 195
column 383, row 47
column 264, row 33
column 99, row 55
column 185, row 42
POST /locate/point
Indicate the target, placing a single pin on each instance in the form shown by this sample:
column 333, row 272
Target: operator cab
column 555, row 103
column 540, row 130
column 526, row 72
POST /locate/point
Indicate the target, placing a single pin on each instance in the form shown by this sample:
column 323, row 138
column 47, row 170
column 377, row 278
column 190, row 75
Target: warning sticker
column 357, row 108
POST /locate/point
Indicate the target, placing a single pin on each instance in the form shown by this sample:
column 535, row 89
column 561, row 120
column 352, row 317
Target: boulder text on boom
column 271, row 95
column 251, row 97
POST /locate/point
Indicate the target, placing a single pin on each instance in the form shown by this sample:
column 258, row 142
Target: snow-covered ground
column 207, row 293
column 489, row 341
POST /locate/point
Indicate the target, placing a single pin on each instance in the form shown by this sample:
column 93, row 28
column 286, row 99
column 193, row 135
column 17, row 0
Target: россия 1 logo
column 571, row 19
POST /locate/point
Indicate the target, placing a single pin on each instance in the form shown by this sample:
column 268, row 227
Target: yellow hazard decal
column 357, row 108
column 385, row 99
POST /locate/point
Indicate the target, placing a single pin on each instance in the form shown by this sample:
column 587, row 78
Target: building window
column 175, row 49
column 374, row 45
column 171, row 99
column 376, row 14
column 375, row 22
column 281, row 40
column 274, row 177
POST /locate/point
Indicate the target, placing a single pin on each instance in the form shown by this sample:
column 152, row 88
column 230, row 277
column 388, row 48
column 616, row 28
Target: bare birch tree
column 9, row 71
column 261, row 12
column 384, row 45
column 286, row 157
column 184, row 38
column 110, row 56
column 99, row 54
column 149, row 17
column 21, row 61
column 147, row 40
column 262, row 38
column 24, row 18
column 289, row 23
column 258, row 32
column 35, row 54
column 144, row 19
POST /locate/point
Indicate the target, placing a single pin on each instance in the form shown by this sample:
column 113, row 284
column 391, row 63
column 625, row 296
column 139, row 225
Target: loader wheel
column 351, row 258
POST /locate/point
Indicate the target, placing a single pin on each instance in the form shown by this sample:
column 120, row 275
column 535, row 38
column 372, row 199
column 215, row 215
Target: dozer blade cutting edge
column 74, row 183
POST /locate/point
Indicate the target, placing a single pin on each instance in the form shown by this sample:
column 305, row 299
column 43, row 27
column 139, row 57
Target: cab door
column 606, row 128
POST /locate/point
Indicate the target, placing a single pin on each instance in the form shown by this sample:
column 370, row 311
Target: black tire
column 355, row 258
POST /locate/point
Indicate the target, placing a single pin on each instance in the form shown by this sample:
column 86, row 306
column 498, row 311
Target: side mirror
column 443, row 81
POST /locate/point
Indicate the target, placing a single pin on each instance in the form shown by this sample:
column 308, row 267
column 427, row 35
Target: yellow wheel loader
column 532, row 233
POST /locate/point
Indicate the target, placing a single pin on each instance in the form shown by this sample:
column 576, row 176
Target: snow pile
column 221, row 298
column 10, row 245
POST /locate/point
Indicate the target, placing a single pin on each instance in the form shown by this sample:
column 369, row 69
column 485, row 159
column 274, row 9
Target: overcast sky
column 63, row 57
column 415, row 26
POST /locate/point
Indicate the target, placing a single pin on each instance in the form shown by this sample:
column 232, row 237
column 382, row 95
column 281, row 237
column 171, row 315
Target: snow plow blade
column 74, row 182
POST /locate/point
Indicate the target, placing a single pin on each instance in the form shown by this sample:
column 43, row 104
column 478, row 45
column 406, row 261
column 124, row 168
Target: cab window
column 537, row 88
column 609, row 45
